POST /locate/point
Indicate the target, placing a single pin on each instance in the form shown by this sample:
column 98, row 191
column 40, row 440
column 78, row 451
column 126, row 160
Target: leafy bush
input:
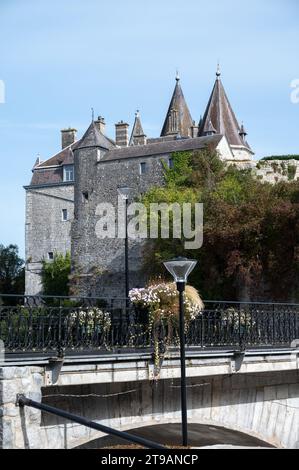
column 55, row 275
column 281, row 157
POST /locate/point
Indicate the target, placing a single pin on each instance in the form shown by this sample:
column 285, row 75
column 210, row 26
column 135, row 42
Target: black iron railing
column 64, row 324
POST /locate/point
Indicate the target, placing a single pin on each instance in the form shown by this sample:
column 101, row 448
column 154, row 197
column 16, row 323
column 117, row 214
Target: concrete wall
column 262, row 405
column 45, row 230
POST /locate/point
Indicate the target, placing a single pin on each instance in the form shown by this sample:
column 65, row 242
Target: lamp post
column 180, row 268
column 124, row 193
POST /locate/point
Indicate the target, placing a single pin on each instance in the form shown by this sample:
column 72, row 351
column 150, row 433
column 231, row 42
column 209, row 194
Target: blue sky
column 60, row 58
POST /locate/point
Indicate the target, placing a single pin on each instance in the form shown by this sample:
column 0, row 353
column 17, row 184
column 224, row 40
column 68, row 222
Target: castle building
column 66, row 189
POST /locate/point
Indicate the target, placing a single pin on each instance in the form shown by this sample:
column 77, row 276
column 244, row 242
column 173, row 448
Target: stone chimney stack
column 122, row 134
column 68, row 137
column 194, row 130
column 100, row 123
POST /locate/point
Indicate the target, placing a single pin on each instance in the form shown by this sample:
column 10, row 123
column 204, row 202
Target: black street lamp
column 124, row 193
column 180, row 268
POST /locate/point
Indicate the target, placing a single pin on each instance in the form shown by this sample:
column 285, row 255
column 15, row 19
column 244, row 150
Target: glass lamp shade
column 180, row 268
column 124, row 192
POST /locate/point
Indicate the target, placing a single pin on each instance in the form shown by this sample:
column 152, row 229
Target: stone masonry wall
column 274, row 171
column 20, row 428
column 45, row 230
column 261, row 405
column 105, row 257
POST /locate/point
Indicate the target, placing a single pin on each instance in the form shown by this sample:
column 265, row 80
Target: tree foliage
column 251, row 231
column 55, row 275
column 12, row 273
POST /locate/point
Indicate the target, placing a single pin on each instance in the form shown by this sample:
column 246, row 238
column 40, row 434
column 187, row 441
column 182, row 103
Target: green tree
column 251, row 231
column 12, row 272
column 55, row 275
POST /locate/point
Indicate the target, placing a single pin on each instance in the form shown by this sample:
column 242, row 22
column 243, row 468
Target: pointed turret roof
column 220, row 113
column 209, row 128
column 137, row 130
column 94, row 138
column 178, row 118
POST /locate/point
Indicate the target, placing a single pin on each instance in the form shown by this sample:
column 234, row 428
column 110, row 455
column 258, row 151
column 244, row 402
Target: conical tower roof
column 178, row 118
column 220, row 113
column 137, row 131
column 94, row 138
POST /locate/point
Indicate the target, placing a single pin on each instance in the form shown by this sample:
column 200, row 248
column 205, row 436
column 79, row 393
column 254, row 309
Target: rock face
column 273, row 171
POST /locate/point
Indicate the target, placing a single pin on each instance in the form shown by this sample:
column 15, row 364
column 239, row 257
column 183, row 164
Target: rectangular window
column 143, row 168
column 64, row 215
column 51, row 255
column 68, row 173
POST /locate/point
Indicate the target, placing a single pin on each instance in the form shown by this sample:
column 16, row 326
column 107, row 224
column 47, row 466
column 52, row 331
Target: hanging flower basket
column 158, row 307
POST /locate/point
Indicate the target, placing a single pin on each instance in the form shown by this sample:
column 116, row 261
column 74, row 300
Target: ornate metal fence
column 63, row 324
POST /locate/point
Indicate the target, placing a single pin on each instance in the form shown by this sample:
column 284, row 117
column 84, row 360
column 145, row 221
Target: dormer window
column 68, row 173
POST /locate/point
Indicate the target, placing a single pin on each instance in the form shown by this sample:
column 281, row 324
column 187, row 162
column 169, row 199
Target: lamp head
column 180, row 268
column 124, row 192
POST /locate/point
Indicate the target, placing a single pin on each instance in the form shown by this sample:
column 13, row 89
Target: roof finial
column 177, row 76
column 92, row 114
column 218, row 73
column 242, row 132
column 137, row 113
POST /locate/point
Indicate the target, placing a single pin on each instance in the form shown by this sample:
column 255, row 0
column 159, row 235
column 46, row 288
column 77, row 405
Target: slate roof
column 221, row 115
column 62, row 156
column 94, row 138
column 44, row 175
column 184, row 118
column 165, row 147
column 137, row 130
column 47, row 176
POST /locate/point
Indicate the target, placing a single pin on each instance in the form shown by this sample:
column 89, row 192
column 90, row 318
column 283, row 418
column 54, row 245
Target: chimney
column 194, row 130
column 121, row 134
column 100, row 123
column 68, row 137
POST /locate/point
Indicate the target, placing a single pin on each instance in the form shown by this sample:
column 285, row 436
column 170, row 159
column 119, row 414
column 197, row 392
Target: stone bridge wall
column 263, row 405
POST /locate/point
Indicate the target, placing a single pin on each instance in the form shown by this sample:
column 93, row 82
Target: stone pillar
column 68, row 137
column 194, row 131
column 20, row 427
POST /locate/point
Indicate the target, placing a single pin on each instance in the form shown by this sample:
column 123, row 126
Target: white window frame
column 67, row 171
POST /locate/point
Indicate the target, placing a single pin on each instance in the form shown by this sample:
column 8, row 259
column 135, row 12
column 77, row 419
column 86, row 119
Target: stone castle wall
column 106, row 256
column 45, row 230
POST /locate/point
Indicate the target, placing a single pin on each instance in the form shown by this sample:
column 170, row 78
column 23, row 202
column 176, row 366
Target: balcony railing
column 60, row 325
